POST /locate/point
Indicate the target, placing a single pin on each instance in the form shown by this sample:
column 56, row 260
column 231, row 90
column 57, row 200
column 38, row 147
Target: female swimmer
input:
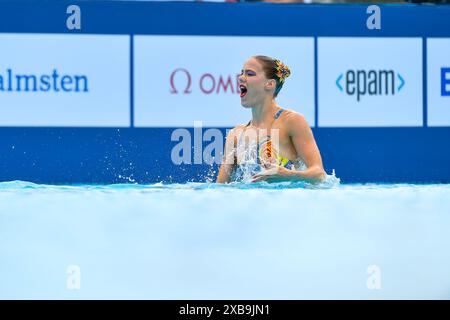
column 284, row 148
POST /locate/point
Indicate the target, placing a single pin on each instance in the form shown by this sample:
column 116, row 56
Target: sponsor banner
column 370, row 82
column 64, row 80
column 182, row 79
column 438, row 81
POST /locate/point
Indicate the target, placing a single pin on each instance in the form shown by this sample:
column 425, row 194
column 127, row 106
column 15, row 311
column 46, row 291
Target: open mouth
column 243, row 90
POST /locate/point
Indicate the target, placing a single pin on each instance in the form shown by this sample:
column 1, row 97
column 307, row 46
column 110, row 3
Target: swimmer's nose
column 241, row 78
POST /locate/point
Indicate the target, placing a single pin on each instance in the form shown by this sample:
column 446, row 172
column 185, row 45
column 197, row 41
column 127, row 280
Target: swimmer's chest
column 286, row 147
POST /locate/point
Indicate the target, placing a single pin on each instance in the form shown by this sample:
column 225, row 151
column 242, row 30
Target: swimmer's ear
column 271, row 84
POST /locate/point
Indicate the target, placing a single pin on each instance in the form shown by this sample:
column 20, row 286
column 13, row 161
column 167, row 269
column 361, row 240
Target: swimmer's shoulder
column 294, row 120
column 240, row 127
column 235, row 132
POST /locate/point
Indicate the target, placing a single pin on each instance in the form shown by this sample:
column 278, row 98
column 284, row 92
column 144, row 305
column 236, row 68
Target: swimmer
column 295, row 155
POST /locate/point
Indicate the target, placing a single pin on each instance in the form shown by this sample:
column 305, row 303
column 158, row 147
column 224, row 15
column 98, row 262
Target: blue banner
column 91, row 91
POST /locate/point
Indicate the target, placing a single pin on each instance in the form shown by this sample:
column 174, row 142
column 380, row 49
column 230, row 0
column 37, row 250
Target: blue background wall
column 110, row 155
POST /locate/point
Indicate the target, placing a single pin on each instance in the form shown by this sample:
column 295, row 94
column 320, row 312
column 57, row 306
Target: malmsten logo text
column 51, row 82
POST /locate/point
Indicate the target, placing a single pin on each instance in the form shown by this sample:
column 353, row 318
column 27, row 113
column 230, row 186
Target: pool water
column 238, row 241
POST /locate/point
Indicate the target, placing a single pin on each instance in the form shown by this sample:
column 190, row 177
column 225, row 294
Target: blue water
column 238, row 241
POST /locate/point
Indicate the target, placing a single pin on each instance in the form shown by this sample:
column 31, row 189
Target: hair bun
column 283, row 70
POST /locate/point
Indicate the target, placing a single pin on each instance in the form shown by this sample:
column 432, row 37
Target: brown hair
column 270, row 68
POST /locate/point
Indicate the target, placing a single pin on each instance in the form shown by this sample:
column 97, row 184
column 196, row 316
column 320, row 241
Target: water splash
column 330, row 182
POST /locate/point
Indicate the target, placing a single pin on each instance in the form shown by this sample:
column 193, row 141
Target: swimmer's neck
column 262, row 114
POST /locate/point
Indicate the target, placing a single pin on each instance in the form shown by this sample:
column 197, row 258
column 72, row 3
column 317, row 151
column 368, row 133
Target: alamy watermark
column 208, row 146
column 374, row 20
column 73, row 281
column 374, row 279
column 73, row 21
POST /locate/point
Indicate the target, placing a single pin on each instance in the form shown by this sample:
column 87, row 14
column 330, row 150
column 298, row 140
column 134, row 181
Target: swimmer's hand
column 274, row 174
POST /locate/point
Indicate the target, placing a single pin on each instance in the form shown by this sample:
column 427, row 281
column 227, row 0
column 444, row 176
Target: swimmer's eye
column 248, row 73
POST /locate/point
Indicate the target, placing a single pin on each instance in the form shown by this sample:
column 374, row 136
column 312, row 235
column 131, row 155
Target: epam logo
column 445, row 81
column 370, row 82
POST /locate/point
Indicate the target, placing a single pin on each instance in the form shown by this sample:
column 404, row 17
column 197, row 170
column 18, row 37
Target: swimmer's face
column 254, row 85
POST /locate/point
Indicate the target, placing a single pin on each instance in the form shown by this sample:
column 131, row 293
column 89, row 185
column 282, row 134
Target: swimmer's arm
column 228, row 160
column 224, row 173
column 306, row 147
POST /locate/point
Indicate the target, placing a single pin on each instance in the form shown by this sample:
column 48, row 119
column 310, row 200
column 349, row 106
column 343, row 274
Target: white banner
column 370, row 82
column 438, row 82
column 182, row 79
column 64, row 80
